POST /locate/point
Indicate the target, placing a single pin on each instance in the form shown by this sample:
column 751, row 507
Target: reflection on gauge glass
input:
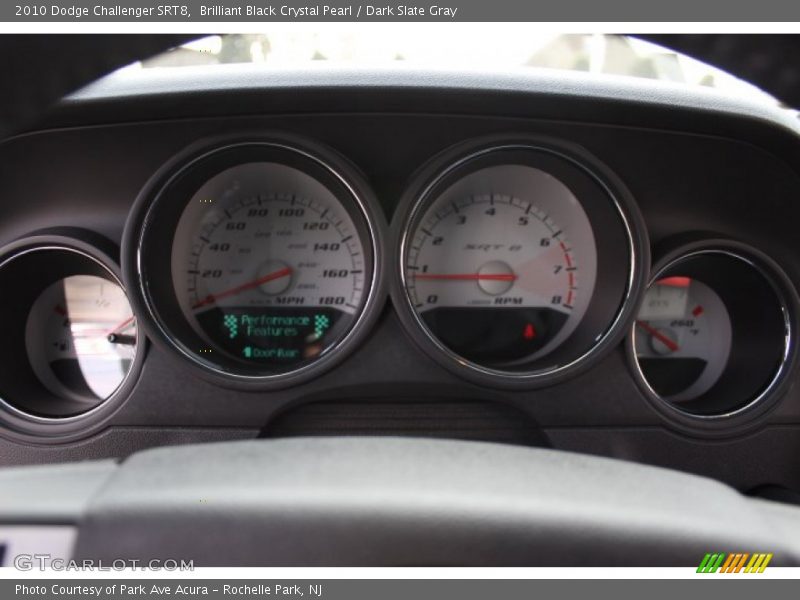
column 268, row 266
column 80, row 338
column 501, row 266
column 683, row 338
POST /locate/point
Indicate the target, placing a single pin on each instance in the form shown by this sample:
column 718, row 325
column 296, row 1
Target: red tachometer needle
column 210, row 299
column 468, row 276
column 673, row 347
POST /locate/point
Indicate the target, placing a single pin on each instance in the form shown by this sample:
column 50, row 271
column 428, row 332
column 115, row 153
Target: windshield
column 489, row 46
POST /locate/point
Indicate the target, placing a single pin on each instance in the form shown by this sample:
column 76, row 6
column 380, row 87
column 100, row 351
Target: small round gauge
column 71, row 350
column 501, row 253
column 684, row 338
column 81, row 338
column 711, row 343
column 272, row 262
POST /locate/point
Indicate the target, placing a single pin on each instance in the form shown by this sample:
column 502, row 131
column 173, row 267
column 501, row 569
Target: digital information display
column 281, row 335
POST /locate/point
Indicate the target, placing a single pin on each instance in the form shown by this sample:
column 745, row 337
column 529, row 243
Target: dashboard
column 605, row 267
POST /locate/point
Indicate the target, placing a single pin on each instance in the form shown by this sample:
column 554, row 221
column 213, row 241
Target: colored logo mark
column 232, row 325
column 321, row 323
column 741, row 562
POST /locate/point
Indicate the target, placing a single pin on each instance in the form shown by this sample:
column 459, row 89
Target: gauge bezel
column 445, row 168
column 751, row 413
column 152, row 305
column 27, row 426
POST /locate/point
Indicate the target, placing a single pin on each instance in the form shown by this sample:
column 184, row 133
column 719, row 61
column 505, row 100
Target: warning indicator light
column 530, row 332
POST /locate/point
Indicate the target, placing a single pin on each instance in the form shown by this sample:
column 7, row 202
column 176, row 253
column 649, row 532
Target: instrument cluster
column 514, row 262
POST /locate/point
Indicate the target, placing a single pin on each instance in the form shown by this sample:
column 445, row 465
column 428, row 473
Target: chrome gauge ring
column 715, row 335
column 73, row 350
column 518, row 263
column 258, row 262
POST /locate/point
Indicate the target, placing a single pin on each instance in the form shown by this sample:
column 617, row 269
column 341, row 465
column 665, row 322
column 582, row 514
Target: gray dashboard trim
column 57, row 494
column 401, row 502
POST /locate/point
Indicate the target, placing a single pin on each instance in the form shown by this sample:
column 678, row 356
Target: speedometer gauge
column 272, row 267
column 268, row 275
column 501, row 254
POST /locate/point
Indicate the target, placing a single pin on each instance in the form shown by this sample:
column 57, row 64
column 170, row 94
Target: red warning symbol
column 530, row 332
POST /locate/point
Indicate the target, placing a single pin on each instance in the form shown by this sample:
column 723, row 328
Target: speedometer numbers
column 494, row 275
column 273, row 252
column 500, row 253
column 272, row 276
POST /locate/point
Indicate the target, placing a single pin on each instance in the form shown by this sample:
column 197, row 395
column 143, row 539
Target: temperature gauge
column 683, row 338
column 712, row 341
column 80, row 337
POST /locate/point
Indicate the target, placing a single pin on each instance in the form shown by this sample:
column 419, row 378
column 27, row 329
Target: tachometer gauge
column 501, row 254
column 272, row 262
column 497, row 276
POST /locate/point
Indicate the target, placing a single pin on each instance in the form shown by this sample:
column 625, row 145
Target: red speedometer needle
column 468, row 276
column 211, row 298
column 673, row 347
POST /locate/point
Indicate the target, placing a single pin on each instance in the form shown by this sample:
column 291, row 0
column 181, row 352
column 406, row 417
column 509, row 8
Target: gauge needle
column 673, row 347
column 121, row 326
column 210, row 299
column 468, row 276
column 114, row 335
